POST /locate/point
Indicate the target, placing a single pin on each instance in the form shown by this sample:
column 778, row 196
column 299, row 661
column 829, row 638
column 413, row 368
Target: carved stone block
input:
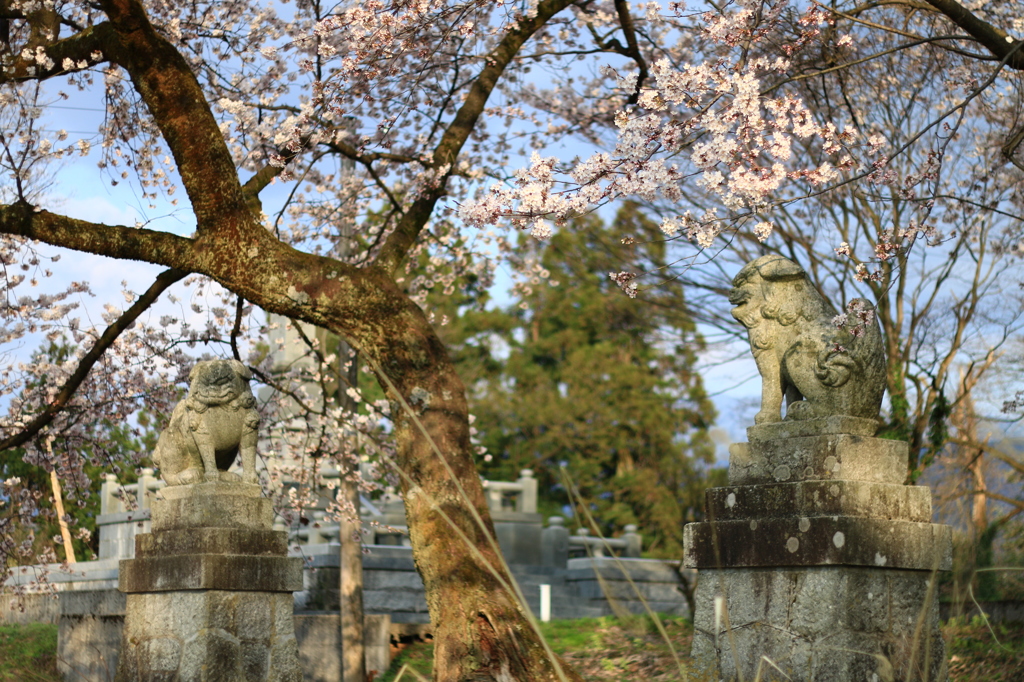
column 817, row 623
column 818, row 541
column 821, row 457
column 212, row 505
column 820, row 498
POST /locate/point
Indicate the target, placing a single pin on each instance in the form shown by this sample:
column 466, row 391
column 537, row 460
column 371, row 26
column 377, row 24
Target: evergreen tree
column 576, row 375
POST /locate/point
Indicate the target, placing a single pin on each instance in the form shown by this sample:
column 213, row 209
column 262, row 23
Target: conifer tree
column 573, row 374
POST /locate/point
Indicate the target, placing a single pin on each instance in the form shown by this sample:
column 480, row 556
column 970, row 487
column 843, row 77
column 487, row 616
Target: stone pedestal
column 209, row 594
column 817, row 563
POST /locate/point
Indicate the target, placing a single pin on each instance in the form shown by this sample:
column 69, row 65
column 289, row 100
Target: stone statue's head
column 216, row 382
column 774, row 288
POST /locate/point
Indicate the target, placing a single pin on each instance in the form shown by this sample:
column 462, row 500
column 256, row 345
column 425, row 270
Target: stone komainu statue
column 216, row 422
column 820, row 369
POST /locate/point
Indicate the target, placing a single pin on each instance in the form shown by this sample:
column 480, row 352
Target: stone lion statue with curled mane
column 821, row 369
column 216, row 422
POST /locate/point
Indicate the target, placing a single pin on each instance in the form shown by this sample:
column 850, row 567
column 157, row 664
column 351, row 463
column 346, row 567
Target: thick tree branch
column 85, row 365
column 460, row 129
column 633, row 48
column 86, row 46
column 116, row 241
column 263, row 177
column 260, row 268
column 257, row 183
column 178, row 104
column 996, row 40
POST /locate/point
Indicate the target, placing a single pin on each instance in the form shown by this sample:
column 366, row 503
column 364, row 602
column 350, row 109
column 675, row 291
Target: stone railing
column 384, row 518
column 124, row 513
column 116, row 498
column 316, row 533
column 558, row 546
column 518, row 496
column 552, row 546
column 583, row 544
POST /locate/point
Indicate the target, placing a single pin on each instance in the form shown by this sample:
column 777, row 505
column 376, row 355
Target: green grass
column 979, row 653
column 28, row 652
column 598, row 648
column 417, row 657
column 609, row 650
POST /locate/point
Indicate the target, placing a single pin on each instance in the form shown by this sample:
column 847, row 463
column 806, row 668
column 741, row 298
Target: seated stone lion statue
column 820, row 369
column 216, row 422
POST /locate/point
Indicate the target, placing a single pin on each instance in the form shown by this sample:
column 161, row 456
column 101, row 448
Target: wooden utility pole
column 58, row 503
column 353, row 667
column 353, row 650
column 350, row 592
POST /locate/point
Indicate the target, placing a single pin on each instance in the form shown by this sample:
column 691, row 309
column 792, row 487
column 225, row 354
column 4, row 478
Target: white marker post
column 545, row 603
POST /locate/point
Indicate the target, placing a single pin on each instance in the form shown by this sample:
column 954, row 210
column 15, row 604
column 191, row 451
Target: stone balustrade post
column 527, row 498
column 109, row 502
column 594, row 547
column 146, row 488
column 315, row 534
column 493, row 497
column 634, row 542
column 555, row 543
column 392, row 504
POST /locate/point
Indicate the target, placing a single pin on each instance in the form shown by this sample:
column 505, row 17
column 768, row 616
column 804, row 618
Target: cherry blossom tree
column 730, row 124
column 839, row 155
column 384, row 124
column 936, row 253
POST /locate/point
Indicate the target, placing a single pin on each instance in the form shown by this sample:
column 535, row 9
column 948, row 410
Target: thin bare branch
column 110, row 334
column 459, row 131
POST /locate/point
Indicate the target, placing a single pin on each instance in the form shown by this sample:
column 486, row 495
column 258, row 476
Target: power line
column 69, row 132
column 57, row 106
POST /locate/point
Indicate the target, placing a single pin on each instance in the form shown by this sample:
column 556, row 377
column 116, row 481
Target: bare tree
column 930, row 233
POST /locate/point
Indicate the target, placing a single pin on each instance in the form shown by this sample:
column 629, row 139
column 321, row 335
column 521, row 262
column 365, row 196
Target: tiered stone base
column 209, row 635
column 817, row 564
column 210, row 591
column 822, row 623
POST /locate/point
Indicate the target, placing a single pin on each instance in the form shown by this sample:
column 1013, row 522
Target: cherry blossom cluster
column 707, row 122
column 857, row 318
